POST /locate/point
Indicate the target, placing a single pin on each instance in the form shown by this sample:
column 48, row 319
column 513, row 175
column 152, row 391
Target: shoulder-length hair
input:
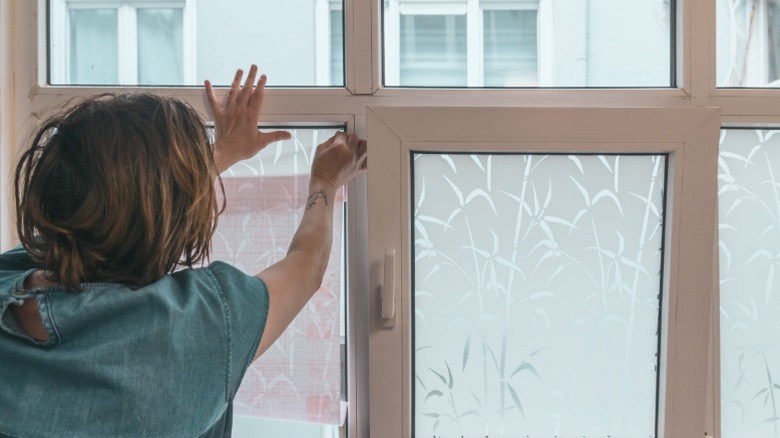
column 118, row 188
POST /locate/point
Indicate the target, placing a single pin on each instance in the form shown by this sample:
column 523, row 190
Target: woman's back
column 162, row 360
column 113, row 197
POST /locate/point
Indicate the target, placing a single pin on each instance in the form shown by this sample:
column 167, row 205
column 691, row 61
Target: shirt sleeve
column 15, row 266
column 247, row 308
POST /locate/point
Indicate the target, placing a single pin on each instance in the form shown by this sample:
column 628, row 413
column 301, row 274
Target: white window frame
column 25, row 97
column 684, row 134
column 127, row 13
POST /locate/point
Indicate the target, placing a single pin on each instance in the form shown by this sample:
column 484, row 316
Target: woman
column 109, row 325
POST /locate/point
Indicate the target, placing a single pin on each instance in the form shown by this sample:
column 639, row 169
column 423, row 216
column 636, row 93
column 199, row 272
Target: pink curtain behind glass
column 299, row 377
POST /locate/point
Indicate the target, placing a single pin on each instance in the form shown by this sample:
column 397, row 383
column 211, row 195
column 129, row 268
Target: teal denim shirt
column 164, row 360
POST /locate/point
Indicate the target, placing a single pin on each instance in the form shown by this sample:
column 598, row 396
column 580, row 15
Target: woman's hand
column 339, row 159
column 293, row 280
column 237, row 136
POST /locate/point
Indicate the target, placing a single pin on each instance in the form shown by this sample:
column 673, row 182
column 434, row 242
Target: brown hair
column 118, row 189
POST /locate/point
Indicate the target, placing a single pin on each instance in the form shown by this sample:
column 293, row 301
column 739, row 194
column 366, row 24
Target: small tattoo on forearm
column 313, row 199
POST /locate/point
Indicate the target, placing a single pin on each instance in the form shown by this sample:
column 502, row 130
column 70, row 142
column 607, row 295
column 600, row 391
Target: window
column 485, row 84
column 526, row 43
column 510, row 48
column 433, row 49
column 181, row 42
column 122, row 42
column 554, row 269
column 458, row 44
column 253, row 232
column 748, row 245
column 748, row 43
column 533, row 294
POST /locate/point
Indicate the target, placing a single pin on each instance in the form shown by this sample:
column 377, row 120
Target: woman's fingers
column 249, row 86
column 362, row 162
column 256, row 100
column 234, row 88
column 272, row 137
column 212, row 99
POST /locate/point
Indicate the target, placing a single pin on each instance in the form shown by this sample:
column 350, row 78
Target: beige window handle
column 388, row 287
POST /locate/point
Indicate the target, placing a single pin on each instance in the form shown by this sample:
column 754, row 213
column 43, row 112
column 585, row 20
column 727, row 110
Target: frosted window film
column 749, row 209
column 299, row 377
column 536, row 286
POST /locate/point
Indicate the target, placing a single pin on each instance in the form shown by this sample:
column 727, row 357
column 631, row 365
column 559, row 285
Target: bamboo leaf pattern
column 749, row 246
column 542, row 278
column 299, row 377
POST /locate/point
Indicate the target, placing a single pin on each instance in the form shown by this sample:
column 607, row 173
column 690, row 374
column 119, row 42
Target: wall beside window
column 7, row 149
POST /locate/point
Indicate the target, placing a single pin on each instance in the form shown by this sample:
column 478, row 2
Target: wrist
column 324, row 182
column 219, row 159
column 223, row 160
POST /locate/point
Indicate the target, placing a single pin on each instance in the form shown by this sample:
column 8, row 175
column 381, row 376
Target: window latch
column 387, row 294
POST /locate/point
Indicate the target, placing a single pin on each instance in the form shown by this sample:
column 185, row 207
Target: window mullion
column 190, row 41
column 128, row 44
column 59, row 65
column 474, row 44
column 361, row 36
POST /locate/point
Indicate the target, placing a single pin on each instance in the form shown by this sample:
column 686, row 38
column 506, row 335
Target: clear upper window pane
column 510, row 39
column 160, row 46
column 749, row 210
column 528, row 43
column 337, row 47
column 184, row 42
column 433, row 50
column 536, row 294
column 748, row 43
column 95, row 60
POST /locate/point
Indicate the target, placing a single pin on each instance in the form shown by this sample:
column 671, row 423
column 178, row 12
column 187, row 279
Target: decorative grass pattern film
column 299, row 377
column 536, row 294
column 749, row 209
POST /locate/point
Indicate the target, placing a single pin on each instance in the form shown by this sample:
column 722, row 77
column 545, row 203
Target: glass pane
column 749, row 210
column 93, row 46
column 250, row 427
column 748, row 43
column 510, row 48
column 337, row 47
column 536, row 288
column 529, row 43
column 433, row 50
column 288, row 40
column 160, row 46
column 299, row 378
